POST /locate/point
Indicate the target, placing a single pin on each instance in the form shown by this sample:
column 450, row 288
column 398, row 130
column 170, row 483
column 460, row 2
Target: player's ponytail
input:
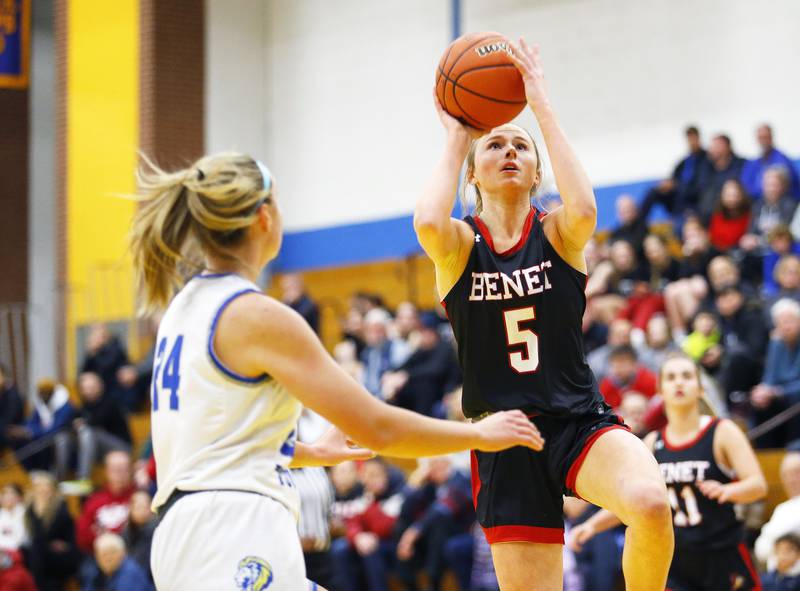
column 210, row 204
column 470, row 170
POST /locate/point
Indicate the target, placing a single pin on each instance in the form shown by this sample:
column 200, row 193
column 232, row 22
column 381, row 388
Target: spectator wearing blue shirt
column 682, row 190
column 780, row 281
column 49, row 424
column 117, row 571
column 753, row 170
column 381, row 352
column 439, row 508
column 780, row 385
column 786, row 577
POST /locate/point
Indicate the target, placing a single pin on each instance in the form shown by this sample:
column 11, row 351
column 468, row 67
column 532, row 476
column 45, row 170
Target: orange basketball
column 477, row 82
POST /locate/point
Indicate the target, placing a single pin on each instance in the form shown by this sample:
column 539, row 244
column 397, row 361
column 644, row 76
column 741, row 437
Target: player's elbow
column 584, row 212
column 428, row 224
column 382, row 430
column 375, row 439
column 759, row 488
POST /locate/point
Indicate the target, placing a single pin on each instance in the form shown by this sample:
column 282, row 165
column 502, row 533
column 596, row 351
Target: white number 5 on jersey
column 527, row 362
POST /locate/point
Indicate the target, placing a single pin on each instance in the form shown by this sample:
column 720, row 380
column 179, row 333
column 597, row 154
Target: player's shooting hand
column 508, row 429
column 453, row 126
column 529, row 64
column 579, row 535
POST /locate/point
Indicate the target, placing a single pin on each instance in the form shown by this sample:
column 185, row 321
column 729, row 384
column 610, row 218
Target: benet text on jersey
column 500, row 286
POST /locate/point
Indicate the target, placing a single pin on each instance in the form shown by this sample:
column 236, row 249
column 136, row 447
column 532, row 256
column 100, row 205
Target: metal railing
column 779, row 419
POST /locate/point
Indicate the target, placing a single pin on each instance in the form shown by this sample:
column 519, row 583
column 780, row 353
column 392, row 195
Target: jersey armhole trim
column 252, row 380
column 443, row 299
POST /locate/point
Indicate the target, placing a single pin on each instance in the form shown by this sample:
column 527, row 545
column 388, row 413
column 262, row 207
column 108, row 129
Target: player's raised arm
column 577, row 219
column 441, row 236
column 282, row 344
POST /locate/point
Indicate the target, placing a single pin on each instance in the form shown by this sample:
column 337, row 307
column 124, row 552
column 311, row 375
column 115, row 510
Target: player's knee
column 647, row 504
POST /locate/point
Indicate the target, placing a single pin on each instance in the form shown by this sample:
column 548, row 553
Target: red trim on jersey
column 475, row 478
column 526, row 230
column 524, row 533
column 749, row 564
column 572, row 474
column 688, row 444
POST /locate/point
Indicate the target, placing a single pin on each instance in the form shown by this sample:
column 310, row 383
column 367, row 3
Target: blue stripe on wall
column 394, row 238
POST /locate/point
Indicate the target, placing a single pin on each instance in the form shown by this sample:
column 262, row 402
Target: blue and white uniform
column 228, row 438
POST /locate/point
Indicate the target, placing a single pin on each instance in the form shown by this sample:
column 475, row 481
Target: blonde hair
column 208, row 205
column 470, row 170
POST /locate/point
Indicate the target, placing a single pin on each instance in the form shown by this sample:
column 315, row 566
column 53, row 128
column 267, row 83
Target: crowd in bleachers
column 718, row 279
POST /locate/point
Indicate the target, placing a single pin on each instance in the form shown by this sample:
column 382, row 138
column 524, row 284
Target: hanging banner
column 15, row 18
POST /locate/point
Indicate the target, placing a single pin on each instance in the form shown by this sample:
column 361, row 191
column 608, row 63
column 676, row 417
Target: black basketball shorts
column 725, row 569
column 518, row 492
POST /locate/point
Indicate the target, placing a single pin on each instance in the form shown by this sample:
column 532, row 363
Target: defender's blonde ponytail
column 208, row 205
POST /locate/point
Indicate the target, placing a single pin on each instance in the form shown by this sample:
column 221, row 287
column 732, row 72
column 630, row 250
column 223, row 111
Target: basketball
column 477, row 83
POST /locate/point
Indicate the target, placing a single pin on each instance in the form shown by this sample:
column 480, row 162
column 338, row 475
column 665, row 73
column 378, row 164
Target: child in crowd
column 786, row 576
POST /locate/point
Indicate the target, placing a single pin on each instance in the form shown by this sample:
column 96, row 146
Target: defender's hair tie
column 266, row 177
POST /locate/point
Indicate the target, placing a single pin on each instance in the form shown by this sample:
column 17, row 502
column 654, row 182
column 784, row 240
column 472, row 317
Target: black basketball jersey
column 700, row 522
column 516, row 316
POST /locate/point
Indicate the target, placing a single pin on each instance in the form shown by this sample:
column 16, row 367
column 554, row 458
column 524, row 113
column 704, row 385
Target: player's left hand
column 529, row 64
column 334, row 447
column 579, row 535
column 715, row 490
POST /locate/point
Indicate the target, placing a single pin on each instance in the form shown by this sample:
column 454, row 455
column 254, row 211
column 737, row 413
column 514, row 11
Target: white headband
column 266, row 177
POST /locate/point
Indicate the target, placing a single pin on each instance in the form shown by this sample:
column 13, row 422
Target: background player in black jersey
column 513, row 285
column 708, row 465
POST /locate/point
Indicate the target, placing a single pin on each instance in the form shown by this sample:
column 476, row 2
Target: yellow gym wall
column 102, row 117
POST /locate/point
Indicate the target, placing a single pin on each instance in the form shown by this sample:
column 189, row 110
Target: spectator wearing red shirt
column 624, row 374
column 370, row 534
column 107, row 509
column 731, row 217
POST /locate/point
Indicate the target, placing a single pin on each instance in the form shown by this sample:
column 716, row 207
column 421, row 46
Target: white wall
column 42, row 278
column 335, row 95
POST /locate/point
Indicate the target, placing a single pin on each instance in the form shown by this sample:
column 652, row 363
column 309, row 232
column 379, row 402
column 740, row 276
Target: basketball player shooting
column 512, row 280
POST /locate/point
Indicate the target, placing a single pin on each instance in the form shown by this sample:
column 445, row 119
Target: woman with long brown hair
column 708, row 465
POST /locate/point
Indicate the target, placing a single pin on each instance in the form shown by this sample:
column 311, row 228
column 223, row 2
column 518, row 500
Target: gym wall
column 336, row 97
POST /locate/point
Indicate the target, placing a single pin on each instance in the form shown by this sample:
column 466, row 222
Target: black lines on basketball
column 486, row 88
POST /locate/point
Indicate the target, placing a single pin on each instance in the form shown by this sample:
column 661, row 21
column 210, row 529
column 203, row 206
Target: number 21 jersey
column 700, row 522
column 516, row 316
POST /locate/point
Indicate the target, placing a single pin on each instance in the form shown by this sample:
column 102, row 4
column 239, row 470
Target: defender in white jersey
column 232, row 369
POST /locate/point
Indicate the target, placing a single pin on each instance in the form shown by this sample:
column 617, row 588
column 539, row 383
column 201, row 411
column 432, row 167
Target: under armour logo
column 477, row 237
